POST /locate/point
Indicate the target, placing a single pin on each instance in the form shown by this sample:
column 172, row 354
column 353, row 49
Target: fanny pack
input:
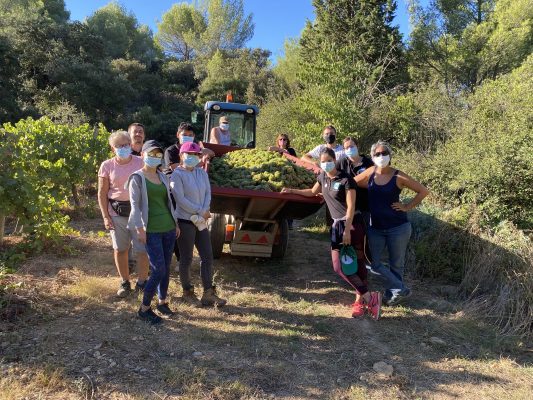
column 122, row 208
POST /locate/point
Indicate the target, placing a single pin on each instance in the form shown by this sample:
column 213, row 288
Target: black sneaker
column 165, row 309
column 149, row 316
column 125, row 289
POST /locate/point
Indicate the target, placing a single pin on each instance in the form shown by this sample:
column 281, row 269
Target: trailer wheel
column 279, row 248
column 217, row 231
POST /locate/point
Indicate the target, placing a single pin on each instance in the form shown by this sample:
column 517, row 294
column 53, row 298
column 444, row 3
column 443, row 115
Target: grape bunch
column 258, row 170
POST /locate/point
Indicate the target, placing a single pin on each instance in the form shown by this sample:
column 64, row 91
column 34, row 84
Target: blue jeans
column 396, row 240
column 159, row 247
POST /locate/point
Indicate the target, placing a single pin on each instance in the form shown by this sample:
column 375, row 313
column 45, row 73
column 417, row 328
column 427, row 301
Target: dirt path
column 286, row 333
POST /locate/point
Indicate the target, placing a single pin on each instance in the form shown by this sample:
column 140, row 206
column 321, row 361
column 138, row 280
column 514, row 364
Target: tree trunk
column 2, row 226
column 75, row 196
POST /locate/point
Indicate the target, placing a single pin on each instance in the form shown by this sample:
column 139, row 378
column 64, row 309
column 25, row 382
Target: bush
column 487, row 162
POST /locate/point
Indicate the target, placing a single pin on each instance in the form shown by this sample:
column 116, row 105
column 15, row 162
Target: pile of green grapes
column 258, row 170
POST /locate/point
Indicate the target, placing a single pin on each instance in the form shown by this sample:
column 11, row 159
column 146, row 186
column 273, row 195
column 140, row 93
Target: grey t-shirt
column 334, row 192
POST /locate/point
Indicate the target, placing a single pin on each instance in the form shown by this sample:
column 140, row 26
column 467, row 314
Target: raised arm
column 362, row 178
column 316, row 189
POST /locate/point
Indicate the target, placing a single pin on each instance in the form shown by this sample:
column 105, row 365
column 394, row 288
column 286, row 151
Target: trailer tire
column 217, row 231
column 279, row 249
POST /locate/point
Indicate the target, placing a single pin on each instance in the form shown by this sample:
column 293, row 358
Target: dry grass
column 499, row 279
column 286, row 333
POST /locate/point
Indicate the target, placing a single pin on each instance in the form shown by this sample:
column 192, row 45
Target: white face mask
column 381, row 161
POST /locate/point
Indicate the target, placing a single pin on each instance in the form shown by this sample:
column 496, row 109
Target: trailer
column 254, row 222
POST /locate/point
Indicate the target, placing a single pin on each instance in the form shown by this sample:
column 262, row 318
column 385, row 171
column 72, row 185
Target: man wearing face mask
column 185, row 134
column 329, row 134
column 113, row 199
column 221, row 134
column 136, row 132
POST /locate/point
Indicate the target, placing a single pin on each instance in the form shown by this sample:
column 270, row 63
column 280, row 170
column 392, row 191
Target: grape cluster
column 258, row 170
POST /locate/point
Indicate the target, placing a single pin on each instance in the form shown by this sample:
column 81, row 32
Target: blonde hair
column 115, row 136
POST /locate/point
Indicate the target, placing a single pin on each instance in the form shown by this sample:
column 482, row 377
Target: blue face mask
column 153, row 162
column 186, row 139
column 191, row 160
column 327, row 166
column 351, row 151
column 224, row 127
column 123, row 152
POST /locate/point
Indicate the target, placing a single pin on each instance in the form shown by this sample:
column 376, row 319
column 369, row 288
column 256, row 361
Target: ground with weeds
column 287, row 332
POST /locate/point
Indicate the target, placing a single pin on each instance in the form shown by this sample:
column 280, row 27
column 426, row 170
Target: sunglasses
column 381, row 153
column 282, row 140
column 157, row 154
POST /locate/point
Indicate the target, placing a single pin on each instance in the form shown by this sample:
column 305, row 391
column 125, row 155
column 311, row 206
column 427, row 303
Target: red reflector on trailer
column 246, row 238
column 263, row 239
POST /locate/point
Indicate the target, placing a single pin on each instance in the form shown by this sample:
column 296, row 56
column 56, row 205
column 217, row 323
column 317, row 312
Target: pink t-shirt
column 118, row 175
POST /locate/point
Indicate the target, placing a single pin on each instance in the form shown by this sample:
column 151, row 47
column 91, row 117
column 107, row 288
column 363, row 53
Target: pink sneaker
column 374, row 306
column 358, row 309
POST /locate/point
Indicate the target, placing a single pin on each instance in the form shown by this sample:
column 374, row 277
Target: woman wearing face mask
column 283, row 145
column 154, row 217
column 113, row 200
column 221, row 134
column 192, row 192
column 338, row 190
column 389, row 226
column 354, row 164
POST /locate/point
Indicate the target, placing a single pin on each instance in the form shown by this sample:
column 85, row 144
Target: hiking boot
column 165, row 309
column 125, row 289
column 358, row 309
column 374, row 306
column 210, row 298
column 190, row 298
column 149, row 316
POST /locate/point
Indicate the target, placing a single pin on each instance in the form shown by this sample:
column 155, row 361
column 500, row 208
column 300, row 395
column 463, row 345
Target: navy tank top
column 380, row 199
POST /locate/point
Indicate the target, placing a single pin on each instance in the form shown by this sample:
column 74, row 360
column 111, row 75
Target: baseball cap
column 224, row 119
column 150, row 145
column 190, row 147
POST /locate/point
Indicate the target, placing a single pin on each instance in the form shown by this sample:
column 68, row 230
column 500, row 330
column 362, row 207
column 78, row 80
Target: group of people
column 156, row 211
column 363, row 198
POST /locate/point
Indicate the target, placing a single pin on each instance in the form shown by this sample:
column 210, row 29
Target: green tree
column 122, row 35
column 179, row 32
column 347, row 59
column 461, row 42
column 245, row 72
column 228, row 28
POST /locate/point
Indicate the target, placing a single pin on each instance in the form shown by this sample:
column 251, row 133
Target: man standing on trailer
column 329, row 134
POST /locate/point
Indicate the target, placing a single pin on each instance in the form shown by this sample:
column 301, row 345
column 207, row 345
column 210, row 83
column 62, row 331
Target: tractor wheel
column 217, row 231
column 282, row 240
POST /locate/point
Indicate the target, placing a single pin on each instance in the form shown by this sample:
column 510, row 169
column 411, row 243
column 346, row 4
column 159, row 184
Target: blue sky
column 275, row 20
